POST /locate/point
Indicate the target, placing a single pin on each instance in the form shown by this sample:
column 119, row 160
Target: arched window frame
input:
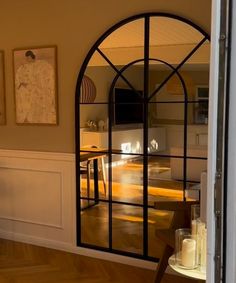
column 146, row 59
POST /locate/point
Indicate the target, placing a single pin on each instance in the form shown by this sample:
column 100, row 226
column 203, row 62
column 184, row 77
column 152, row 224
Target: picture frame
column 35, row 85
column 2, row 89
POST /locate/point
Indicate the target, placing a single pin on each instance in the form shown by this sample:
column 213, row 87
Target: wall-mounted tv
column 128, row 106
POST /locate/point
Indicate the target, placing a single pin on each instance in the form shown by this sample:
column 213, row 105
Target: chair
column 86, row 170
column 181, row 219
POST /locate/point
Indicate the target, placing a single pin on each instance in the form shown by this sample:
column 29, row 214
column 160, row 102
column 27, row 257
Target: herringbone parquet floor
column 24, row 263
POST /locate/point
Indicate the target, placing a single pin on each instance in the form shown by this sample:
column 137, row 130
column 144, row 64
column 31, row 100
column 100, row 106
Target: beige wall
column 173, row 113
column 72, row 25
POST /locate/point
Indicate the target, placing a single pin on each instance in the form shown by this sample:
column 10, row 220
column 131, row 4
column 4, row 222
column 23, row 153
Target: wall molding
column 28, row 220
column 29, row 178
column 37, row 155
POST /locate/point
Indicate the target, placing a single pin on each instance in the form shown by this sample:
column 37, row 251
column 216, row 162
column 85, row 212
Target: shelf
column 193, row 273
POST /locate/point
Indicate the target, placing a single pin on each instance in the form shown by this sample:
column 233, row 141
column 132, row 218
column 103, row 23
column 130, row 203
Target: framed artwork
column 2, row 91
column 35, row 84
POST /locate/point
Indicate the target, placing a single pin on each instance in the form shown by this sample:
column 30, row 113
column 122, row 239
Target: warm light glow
column 126, row 148
column 116, row 163
column 131, row 218
column 153, row 146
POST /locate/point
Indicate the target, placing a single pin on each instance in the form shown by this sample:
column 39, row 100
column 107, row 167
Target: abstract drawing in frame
column 2, row 90
column 35, row 82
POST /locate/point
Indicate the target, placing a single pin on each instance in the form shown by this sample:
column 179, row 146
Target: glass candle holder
column 185, row 249
column 195, row 211
column 203, row 250
column 195, row 215
column 201, row 242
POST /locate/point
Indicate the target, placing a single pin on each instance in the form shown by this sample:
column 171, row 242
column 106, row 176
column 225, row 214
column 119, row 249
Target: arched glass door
column 141, row 130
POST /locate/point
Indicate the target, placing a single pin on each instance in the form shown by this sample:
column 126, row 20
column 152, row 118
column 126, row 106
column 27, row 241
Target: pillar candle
column 194, row 227
column 200, row 229
column 189, row 253
column 203, row 250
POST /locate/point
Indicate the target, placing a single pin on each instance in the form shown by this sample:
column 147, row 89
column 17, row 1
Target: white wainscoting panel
column 38, row 203
column 37, row 197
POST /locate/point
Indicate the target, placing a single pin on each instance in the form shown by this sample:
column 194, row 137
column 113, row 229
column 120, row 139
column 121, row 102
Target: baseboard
column 77, row 250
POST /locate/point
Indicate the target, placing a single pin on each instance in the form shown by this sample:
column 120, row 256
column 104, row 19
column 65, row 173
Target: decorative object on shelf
column 88, row 90
column 35, row 85
column 201, row 107
column 185, row 249
column 195, row 273
column 189, row 248
column 92, row 125
column 2, row 90
column 153, row 146
column 101, row 125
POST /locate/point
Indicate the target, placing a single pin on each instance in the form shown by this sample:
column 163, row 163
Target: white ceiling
column 171, row 40
column 163, row 31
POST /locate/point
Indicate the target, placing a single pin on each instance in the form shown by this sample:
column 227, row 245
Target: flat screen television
column 128, row 106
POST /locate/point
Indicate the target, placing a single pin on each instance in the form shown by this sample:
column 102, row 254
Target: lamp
column 87, row 90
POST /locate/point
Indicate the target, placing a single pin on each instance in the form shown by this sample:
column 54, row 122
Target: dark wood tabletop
column 95, row 153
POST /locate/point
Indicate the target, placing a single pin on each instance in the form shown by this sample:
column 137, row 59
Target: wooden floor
column 127, row 220
column 24, row 263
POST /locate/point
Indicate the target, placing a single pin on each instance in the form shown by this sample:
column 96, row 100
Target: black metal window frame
column 146, row 102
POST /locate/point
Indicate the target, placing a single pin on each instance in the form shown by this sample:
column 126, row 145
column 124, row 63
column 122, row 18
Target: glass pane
column 125, row 44
column 93, row 118
column 164, row 86
column 195, row 73
column 129, row 141
column 157, row 219
column 162, row 184
column 93, row 175
column 94, row 225
column 166, row 127
column 203, row 92
column 127, row 178
column 167, row 113
column 171, row 40
column 128, row 99
column 97, row 80
column 201, row 58
column 192, row 192
column 157, row 140
column 194, row 166
column 197, row 140
column 127, row 228
column 200, row 111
